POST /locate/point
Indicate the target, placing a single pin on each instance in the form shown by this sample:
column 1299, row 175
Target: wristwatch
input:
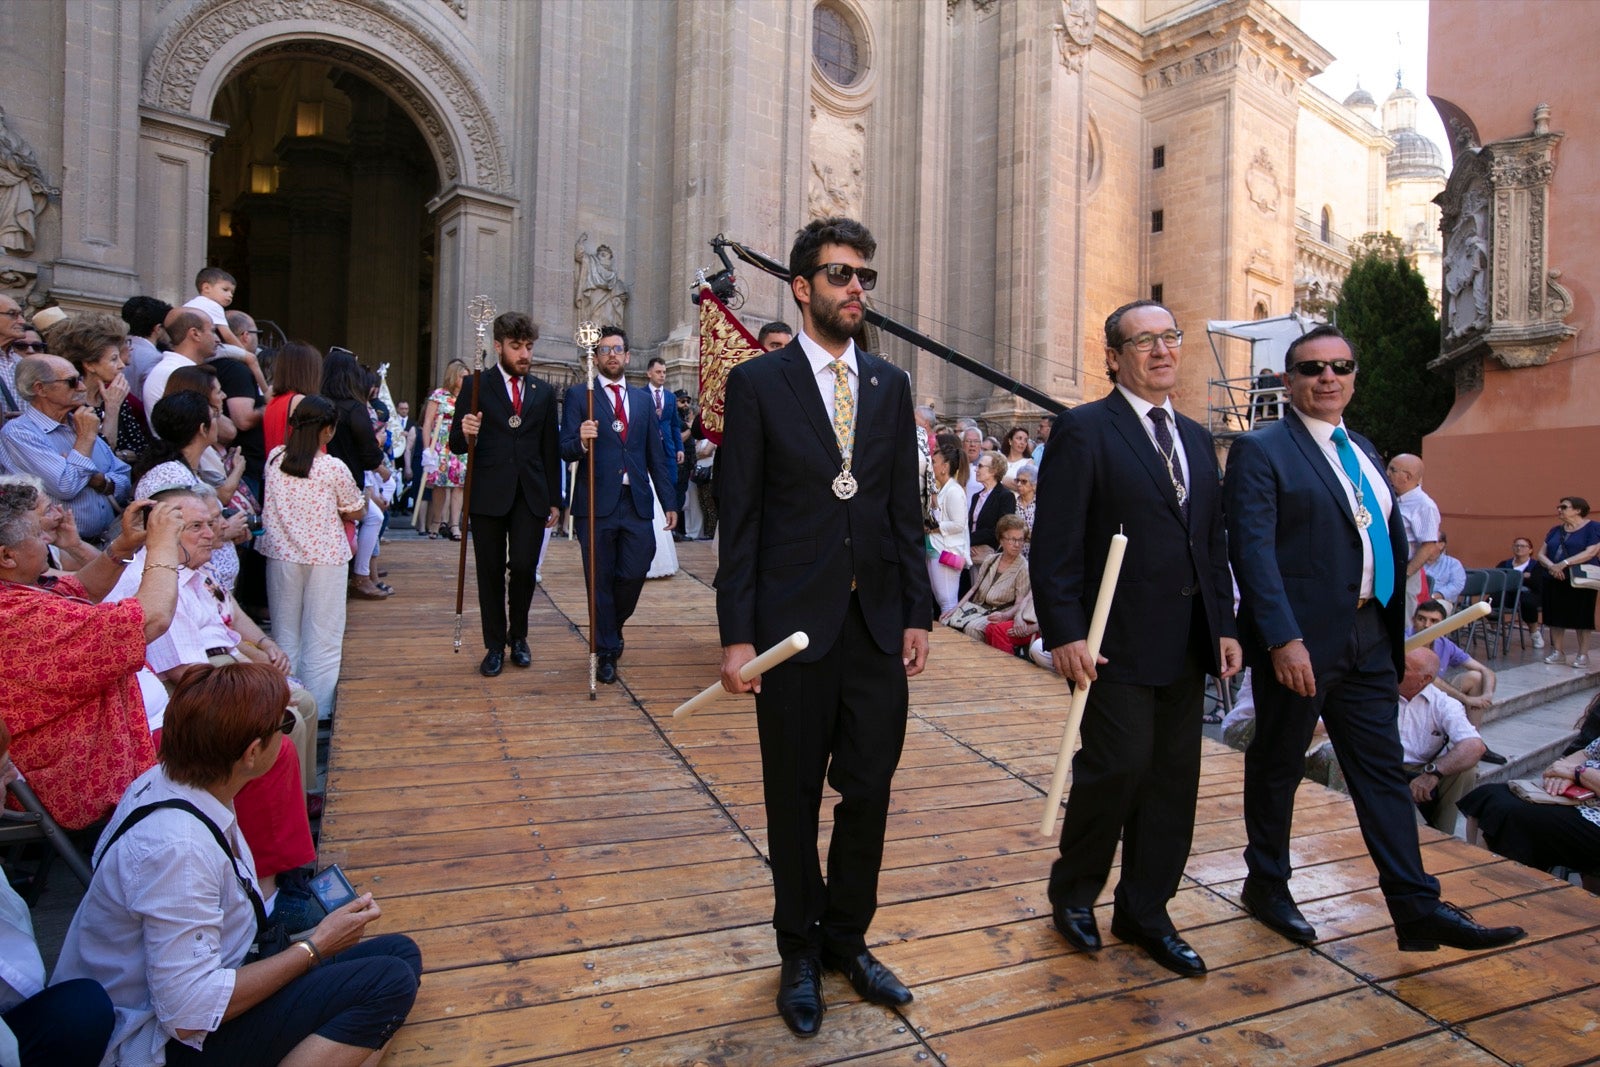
column 1431, row 768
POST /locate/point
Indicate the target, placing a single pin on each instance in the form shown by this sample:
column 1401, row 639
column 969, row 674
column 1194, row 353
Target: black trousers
column 843, row 718
column 1358, row 699
column 501, row 543
column 625, row 543
column 1135, row 778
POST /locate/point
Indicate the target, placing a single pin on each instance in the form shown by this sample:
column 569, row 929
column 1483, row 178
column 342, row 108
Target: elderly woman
column 168, row 922
column 67, row 664
column 998, row 589
column 93, row 344
column 186, row 429
column 1544, row 835
column 1573, row 540
column 1026, row 485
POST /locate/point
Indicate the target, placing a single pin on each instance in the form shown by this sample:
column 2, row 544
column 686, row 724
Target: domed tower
column 1362, row 104
column 1415, row 174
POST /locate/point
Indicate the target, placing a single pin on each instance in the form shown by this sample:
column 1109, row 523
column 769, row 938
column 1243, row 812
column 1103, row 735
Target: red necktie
column 622, row 412
column 516, row 395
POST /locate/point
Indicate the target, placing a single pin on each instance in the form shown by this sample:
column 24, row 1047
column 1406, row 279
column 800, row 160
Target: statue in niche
column 599, row 294
column 24, row 190
column 1466, row 265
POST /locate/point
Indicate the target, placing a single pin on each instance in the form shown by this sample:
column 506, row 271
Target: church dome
column 1360, row 98
column 1414, row 156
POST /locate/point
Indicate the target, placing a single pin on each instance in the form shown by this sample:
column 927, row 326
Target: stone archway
column 404, row 49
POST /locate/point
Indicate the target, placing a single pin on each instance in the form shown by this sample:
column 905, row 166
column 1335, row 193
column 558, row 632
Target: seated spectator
column 15, row 345
column 66, row 549
column 999, row 588
column 1558, row 834
column 94, row 344
column 168, row 922
column 57, row 440
column 1459, row 675
column 185, row 429
column 1441, row 748
column 1239, row 729
column 208, row 627
column 1446, row 576
column 1533, row 577
column 1012, row 629
column 68, row 691
column 67, row 1025
column 202, row 379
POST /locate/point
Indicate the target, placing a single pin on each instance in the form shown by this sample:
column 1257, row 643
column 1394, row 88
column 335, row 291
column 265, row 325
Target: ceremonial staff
column 587, row 336
column 481, row 311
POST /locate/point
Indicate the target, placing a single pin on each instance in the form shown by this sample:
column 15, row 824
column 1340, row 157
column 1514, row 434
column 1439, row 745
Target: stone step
column 1519, row 688
column 1532, row 738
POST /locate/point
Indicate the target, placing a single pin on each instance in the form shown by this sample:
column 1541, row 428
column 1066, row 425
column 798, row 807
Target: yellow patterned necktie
column 844, row 411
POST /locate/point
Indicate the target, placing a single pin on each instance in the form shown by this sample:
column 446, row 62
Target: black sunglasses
column 839, row 274
column 71, row 383
column 1313, row 368
column 27, row 346
column 290, row 721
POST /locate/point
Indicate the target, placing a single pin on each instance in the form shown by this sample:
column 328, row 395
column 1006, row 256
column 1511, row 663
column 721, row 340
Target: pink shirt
column 300, row 517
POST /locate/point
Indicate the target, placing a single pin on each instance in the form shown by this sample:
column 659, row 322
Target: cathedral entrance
column 318, row 205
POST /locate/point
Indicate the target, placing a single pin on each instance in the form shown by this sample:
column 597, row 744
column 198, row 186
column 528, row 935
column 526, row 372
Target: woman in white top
column 168, row 922
column 309, row 494
column 951, row 551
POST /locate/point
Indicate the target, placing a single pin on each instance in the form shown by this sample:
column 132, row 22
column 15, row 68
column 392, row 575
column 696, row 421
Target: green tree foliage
column 1385, row 312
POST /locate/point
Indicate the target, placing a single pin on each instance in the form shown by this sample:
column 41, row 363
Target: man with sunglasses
column 822, row 532
column 57, row 440
column 1319, row 553
column 1130, row 463
column 13, row 333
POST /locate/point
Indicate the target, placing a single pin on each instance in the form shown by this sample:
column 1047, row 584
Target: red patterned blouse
column 69, row 695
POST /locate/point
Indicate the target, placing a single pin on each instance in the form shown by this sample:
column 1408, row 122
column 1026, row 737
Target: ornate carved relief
column 1075, row 32
column 188, row 45
column 458, row 6
column 599, row 294
column 1261, row 182
column 1501, row 297
column 24, row 191
column 838, row 149
column 1232, row 55
column 982, row 7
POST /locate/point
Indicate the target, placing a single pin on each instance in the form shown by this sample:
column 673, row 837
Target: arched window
column 836, row 45
column 1261, row 310
column 1327, row 225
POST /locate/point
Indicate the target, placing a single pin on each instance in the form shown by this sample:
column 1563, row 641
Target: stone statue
column 24, row 190
column 599, row 294
column 1466, row 265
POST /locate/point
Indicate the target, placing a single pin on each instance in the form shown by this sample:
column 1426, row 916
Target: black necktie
column 1169, row 454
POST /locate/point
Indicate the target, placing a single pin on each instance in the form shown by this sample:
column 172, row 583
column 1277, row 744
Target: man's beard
column 829, row 320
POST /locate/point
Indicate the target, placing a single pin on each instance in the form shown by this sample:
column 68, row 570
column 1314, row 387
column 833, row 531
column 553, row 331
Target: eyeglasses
column 1563, row 507
column 1146, row 342
column 12, row 313
column 1313, row 368
column 610, row 350
column 839, row 274
column 27, row 346
column 290, row 721
column 71, row 383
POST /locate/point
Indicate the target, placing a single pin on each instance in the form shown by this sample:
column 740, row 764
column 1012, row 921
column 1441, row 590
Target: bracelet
column 173, row 567
column 118, row 560
column 305, row 943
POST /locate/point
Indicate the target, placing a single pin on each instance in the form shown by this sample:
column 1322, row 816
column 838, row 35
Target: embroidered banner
column 724, row 344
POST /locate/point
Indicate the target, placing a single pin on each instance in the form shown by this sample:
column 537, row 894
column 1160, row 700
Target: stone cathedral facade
column 365, row 167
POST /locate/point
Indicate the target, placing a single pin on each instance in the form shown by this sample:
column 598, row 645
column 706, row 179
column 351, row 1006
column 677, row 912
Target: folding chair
column 1480, row 584
column 1511, row 609
column 34, row 824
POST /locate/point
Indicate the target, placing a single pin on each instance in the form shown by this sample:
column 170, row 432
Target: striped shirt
column 33, row 444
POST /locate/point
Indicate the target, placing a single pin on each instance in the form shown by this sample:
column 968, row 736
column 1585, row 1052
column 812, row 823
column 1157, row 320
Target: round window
column 836, row 45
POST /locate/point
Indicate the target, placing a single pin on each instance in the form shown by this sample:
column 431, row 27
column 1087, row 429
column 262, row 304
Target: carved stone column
column 473, row 255
column 174, row 173
column 1501, row 297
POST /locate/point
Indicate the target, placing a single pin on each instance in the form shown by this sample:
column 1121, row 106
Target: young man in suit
column 1319, row 552
column 822, row 532
column 665, row 406
column 624, row 443
column 516, row 484
column 1130, row 463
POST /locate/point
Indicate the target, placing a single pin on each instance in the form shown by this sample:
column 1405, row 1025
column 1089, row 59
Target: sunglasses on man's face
column 839, row 274
column 1313, row 368
column 27, row 346
column 71, row 383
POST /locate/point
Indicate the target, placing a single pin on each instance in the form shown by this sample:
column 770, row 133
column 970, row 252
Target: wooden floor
column 588, row 880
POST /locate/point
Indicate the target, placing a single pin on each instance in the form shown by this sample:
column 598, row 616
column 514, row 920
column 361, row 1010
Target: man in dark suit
column 665, row 405
column 1117, row 465
column 822, row 532
column 624, row 443
column 1319, row 552
column 516, row 484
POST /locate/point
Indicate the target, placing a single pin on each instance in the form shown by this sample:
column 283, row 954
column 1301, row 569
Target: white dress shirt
column 1141, row 408
column 1379, row 506
column 1431, row 723
column 821, row 361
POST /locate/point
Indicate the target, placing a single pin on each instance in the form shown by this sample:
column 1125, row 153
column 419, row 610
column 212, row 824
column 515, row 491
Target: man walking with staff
column 1319, row 552
column 1129, row 463
column 822, row 533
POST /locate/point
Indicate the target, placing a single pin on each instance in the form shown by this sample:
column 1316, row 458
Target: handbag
column 951, row 560
column 964, row 616
column 701, row 475
column 1584, row 575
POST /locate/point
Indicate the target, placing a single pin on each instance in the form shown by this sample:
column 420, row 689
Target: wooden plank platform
column 588, row 882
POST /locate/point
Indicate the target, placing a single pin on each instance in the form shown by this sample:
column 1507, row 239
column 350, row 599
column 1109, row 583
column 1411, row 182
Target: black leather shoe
column 1077, row 925
column 875, row 982
column 1490, row 756
column 1276, row 910
column 494, row 662
column 1169, row 950
column 800, row 995
column 605, row 670
column 520, row 654
column 1449, row 925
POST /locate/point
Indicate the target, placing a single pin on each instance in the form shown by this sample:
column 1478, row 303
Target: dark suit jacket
column 671, row 425
column 643, row 456
column 1001, row 501
column 1296, row 549
column 790, row 546
column 1101, row 475
column 504, row 457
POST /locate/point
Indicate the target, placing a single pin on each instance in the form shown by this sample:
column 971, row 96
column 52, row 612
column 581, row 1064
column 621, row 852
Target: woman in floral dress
column 446, row 471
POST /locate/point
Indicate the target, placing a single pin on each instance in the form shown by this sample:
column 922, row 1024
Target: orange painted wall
column 1506, row 455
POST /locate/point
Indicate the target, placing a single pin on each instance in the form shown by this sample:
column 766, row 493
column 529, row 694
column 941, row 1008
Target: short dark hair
column 515, row 326
column 176, row 419
column 212, row 276
column 1578, row 504
column 1434, row 607
column 215, row 714
column 1114, row 338
column 833, row 230
column 615, row 331
column 653, row 360
column 774, row 327
column 144, row 313
column 1325, row 330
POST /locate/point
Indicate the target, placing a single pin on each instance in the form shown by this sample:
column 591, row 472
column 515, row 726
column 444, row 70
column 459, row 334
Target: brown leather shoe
column 364, row 587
